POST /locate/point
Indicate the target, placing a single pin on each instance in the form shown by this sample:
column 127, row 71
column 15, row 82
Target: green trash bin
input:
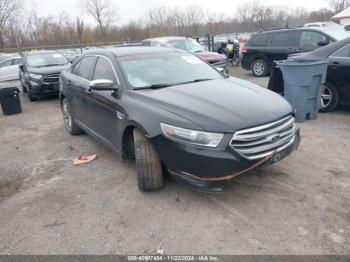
column 303, row 85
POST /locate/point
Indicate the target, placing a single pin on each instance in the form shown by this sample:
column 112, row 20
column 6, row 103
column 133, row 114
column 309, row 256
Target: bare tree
column 105, row 13
column 339, row 5
column 195, row 16
column 7, row 10
column 80, row 30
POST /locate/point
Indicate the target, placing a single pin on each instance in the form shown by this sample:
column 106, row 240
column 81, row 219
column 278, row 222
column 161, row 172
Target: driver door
column 103, row 108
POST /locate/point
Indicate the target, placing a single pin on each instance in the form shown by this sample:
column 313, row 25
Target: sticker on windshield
column 57, row 55
column 192, row 60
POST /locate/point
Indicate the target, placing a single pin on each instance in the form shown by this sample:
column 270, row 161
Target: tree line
column 25, row 28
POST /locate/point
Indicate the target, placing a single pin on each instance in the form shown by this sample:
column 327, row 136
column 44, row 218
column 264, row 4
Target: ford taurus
column 175, row 114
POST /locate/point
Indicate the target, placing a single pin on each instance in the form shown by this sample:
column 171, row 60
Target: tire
column 69, row 123
column 329, row 98
column 31, row 97
column 24, row 88
column 259, row 68
column 148, row 164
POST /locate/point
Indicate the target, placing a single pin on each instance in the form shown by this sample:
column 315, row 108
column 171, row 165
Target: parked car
column 171, row 111
column 328, row 24
column 265, row 47
column 71, row 55
column 337, row 88
column 190, row 45
column 9, row 67
column 346, row 27
column 39, row 74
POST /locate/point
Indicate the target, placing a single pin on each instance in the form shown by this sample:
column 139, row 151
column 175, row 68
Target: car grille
column 51, row 79
column 262, row 141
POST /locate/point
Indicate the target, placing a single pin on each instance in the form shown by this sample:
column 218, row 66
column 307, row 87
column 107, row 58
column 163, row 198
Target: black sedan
column 337, row 88
column 172, row 112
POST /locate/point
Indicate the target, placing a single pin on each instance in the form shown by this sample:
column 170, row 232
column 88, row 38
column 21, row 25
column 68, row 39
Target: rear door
column 339, row 72
column 78, row 87
column 284, row 44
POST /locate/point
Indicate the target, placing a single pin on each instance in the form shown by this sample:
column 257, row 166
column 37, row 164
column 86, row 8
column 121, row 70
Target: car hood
column 224, row 105
column 211, row 56
column 48, row 70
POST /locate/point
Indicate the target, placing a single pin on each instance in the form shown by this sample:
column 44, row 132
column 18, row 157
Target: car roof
column 165, row 39
column 320, row 29
column 139, row 50
column 41, row 52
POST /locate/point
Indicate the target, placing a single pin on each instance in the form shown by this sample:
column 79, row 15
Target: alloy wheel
column 259, row 68
column 66, row 115
column 326, row 97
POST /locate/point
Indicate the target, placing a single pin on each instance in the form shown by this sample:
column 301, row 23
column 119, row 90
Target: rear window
column 285, row 39
column 259, row 40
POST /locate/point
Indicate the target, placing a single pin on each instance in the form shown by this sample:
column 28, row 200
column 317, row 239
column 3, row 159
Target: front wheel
column 31, row 97
column 148, row 165
column 329, row 98
column 259, row 68
column 69, row 123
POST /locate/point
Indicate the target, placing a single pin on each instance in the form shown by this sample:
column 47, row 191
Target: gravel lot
column 47, row 206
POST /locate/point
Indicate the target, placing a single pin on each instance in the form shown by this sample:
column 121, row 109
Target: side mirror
column 21, row 67
column 323, row 43
column 223, row 71
column 103, row 85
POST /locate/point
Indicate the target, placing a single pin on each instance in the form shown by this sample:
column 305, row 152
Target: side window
column 260, row 40
column 75, row 69
column 311, row 39
column 17, row 61
column 6, row 63
column 146, row 43
column 347, row 28
column 86, row 67
column 104, row 70
column 285, row 39
column 344, row 52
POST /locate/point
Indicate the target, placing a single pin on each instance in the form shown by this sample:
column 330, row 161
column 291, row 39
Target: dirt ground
column 47, row 206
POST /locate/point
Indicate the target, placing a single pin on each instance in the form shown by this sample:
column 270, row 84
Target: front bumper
column 208, row 169
column 43, row 89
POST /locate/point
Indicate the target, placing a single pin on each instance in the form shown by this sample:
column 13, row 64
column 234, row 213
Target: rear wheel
column 69, row 123
column 148, row 164
column 259, row 68
column 329, row 98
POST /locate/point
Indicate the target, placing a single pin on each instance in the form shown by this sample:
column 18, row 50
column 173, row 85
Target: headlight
column 191, row 136
column 35, row 76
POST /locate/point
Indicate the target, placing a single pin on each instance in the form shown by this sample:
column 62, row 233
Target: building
column 343, row 17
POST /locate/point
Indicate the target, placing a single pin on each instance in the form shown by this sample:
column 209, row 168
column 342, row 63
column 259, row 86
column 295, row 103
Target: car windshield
column 189, row 45
column 338, row 34
column 46, row 59
column 163, row 70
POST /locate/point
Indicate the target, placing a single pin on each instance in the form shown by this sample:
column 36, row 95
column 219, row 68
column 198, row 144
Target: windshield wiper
column 155, row 86
column 159, row 86
column 194, row 81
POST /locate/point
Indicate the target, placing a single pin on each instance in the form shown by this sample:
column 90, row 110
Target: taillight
column 244, row 50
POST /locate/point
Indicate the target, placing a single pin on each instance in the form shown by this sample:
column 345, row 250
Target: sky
column 134, row 9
